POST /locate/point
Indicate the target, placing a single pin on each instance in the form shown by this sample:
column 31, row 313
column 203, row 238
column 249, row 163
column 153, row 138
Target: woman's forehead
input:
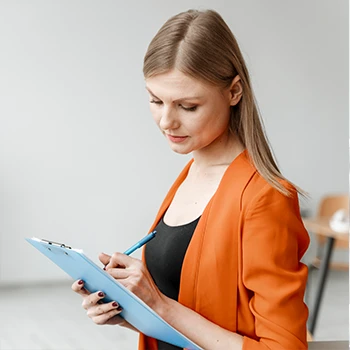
column 177, row 84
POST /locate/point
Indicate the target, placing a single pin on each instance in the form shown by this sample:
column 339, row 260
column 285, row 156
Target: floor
column 51, row 318
column 333, row 319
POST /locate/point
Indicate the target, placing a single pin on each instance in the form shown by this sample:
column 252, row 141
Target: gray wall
column 80, row 158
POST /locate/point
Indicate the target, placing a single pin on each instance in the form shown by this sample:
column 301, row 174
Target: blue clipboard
column 135, row 311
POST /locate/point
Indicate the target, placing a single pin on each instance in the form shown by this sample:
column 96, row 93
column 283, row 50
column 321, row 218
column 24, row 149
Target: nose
column 168, row 120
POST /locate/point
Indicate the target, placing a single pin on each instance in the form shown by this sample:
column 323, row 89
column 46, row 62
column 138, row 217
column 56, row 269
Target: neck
column 220, row 153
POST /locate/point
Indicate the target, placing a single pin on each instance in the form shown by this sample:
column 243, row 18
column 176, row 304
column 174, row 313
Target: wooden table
column 329, row 345
column 321, row 226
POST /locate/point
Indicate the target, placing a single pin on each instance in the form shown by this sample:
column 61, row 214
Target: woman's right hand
column 100, row 313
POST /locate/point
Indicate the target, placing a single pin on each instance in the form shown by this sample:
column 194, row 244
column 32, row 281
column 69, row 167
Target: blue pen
column 138, row 245
column 142, row 242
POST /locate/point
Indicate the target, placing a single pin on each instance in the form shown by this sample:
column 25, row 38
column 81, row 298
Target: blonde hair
column 201, row 45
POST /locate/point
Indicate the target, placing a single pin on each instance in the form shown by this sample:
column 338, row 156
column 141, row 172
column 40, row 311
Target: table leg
column 324, row 267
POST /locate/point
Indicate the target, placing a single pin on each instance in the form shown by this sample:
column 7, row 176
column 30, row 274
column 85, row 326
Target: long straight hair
column 201, row 45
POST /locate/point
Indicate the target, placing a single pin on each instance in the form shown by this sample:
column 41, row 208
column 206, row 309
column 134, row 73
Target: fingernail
column 119, row 308
column 115, row 304
column 81, row 282
column 100, row 294
column 104, row 268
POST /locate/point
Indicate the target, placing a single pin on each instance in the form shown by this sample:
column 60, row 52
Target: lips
column 176, row 139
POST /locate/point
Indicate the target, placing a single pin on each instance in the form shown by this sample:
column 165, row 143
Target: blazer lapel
column 209, row 277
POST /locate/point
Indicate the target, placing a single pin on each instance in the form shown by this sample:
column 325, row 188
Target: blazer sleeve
column 274, row 240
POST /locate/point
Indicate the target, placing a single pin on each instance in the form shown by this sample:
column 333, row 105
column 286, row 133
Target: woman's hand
column 133, row 274
column 100, row 313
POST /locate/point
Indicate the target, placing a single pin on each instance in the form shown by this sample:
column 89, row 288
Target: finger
column 120, row 259
column 92, row 299
column 104, row 258
column 78, row 287
column 118, row 273
column 105, row 318
column 100, row 309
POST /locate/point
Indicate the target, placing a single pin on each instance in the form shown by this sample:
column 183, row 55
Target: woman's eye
column 189, row 109
column 156, row 102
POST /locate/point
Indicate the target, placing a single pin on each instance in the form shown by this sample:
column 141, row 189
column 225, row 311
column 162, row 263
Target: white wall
column 80, row 158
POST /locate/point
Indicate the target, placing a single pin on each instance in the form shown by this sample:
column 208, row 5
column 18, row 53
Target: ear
column 236, row 90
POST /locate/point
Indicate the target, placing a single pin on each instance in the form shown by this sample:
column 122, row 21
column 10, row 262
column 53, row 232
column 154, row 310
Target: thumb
column 104, row 258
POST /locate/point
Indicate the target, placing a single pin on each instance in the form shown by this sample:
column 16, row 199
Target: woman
column 224, row 268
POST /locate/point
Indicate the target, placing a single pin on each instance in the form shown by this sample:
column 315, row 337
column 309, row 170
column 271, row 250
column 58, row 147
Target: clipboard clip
column 62, row 245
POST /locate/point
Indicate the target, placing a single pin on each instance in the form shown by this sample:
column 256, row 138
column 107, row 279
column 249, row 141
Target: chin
column 178, row 150
column 181, row 152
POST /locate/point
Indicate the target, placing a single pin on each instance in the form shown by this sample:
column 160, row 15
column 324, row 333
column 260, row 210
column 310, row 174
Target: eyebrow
column 179, row 99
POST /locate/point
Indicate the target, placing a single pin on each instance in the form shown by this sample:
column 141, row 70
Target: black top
column 164, row 256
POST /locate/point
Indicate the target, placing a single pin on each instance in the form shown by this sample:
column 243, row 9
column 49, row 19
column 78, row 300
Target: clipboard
column 135, row 311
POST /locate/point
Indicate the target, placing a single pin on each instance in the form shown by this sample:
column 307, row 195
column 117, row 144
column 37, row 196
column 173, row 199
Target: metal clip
column 62, row 245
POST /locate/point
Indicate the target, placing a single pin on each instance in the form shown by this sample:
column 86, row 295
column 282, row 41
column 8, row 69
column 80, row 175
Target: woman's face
column 191, row 114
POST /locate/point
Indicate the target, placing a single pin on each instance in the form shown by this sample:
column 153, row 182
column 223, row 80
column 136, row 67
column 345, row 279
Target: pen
column 140, row 243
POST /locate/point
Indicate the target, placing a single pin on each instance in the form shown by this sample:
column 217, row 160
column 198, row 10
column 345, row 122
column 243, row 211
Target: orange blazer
column 248, row 243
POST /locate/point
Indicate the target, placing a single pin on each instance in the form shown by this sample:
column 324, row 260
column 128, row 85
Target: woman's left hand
column 133, row 274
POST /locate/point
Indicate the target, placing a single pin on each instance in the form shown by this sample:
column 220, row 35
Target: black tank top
column 164, row 256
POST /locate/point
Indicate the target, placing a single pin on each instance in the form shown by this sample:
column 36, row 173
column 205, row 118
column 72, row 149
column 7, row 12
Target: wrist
column 163, row 306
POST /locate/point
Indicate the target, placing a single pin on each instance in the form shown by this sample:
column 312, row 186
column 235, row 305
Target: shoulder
column 259, row 193
column 272, row 216
column 243, row 182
